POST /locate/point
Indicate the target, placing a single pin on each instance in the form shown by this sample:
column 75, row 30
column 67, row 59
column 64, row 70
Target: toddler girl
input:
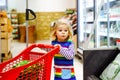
column 63, row 61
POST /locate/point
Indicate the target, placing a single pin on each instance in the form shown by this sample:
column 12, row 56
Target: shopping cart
column 38, row 67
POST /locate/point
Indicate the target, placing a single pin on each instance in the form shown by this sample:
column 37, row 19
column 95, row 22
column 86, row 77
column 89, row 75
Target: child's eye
column 60, row 30
column 66, row 30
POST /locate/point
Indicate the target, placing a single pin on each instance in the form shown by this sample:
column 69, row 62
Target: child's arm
column 68, row 53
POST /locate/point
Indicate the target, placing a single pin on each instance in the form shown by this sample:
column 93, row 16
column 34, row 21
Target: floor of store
column 17, row 47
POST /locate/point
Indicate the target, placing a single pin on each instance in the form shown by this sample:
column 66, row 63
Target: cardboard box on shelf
column 31, row 32
column 3, row 27
column 6, row 35
column 6, row 45
column 3, row 20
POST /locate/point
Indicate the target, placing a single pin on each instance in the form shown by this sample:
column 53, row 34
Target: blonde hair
column 61, row 22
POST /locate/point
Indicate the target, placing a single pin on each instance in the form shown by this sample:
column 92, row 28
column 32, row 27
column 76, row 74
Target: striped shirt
column 64, row 59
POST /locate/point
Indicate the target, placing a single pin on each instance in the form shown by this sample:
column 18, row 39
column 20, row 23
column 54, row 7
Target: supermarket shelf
column 113, row 35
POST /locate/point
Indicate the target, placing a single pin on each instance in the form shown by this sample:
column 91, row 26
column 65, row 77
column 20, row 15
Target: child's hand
column 58, row 45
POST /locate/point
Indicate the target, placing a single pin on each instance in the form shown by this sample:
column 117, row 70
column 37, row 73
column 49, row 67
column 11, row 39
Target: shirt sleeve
column 69, row 52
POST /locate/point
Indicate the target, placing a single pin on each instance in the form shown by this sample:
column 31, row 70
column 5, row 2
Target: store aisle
column 17, row 47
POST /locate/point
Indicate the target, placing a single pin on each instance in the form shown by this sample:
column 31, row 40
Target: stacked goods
column 14, row 17
column 72, row 16
column 14, row 23
column 6, row 36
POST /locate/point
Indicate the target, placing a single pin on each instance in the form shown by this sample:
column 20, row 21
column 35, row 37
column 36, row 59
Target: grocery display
column 14, row 22
column 5, row 36
column 106, row 29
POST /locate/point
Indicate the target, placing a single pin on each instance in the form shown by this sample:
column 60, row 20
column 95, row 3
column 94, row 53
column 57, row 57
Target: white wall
column 42, row 5
column 20, row 5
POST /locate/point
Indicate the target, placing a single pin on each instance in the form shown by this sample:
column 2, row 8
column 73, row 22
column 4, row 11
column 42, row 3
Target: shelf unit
column 109, row 27
column 85, row 19
column 5, row 37
column 114, row 31
column 14, row 22
column 106, row 30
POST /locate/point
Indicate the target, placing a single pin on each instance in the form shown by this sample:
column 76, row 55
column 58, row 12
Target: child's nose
column 63, row 32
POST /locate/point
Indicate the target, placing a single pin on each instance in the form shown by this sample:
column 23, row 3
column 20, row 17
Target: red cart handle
column 39, row 46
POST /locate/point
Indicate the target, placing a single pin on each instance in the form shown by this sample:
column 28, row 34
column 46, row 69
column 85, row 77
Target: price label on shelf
column 118, row 43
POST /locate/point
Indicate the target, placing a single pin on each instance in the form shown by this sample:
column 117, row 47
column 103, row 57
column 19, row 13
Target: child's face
column 62, row 32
